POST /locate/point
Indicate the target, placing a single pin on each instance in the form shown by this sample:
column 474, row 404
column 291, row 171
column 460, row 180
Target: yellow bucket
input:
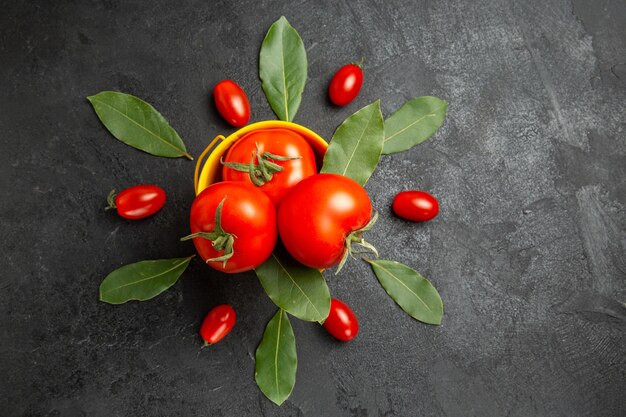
column 209, row 172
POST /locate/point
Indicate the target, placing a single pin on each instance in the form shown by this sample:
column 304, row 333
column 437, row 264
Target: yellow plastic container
column 209, row 172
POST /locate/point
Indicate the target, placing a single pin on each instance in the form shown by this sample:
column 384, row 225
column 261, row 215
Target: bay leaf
column 299, row 290
column 142, row 280
column 413, row 123
column 283, row 69
column 276, row 359
column 356, row 146
column 411, row 291
column 136, row 123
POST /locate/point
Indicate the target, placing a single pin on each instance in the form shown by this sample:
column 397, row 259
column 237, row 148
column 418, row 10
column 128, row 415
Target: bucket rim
column 205, row 173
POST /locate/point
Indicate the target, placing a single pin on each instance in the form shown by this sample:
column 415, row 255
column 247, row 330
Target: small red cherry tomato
column 341, row 321
column 217, row 324
column 345, row 85
column 232, row 102
column 137, row 202
column 417, row 206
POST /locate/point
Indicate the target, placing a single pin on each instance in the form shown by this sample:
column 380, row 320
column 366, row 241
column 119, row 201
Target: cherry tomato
column 341, row 321
column 232, row 102
column 281, row 158
column 345, row 84
column 417, row 206
column 321, row 217
column 217, row 324
column 233, row 226
column 137, row 202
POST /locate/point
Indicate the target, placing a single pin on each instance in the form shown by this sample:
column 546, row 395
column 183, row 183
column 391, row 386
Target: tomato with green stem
column 272, row 159
column 137, row 202
column 321, row 219
column 233, row 226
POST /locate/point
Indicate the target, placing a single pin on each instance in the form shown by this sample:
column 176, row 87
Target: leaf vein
column 356, row 146
column 431, row 114
column 296, row 284
column 410, row 290
column 284, row 74
column 143, row 127
column 146, row 279
column 280, row 320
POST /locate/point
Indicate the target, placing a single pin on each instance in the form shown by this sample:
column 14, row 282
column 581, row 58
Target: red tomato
column 321, row 217
column 217, row 324
column 341, row 321
column 284, row 155
column 232, row 102
column 417, row 206
column 345, row 85
column 137, row 202
column 242, row 235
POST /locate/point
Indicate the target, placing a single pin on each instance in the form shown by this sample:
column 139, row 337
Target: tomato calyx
column 359, row 63
column 111, row 200
column 357, row 238
column 264, row 170
column 220, row 239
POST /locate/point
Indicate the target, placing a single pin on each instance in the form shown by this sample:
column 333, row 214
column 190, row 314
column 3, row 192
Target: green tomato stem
column 356, row 238
column 263, row 171
column 111, row 200
column 220, row 239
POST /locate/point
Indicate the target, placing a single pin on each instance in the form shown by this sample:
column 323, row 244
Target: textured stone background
column 528, row 252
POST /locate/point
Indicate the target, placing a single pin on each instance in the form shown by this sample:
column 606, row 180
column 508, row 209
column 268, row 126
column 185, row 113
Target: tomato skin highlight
column 341, row 323
column 281, row 142
column 218, row 323
column 232, row 102
column 140, row 201
column 247, row 214
column 317, row 215
column 345, row 84
column 417, row 206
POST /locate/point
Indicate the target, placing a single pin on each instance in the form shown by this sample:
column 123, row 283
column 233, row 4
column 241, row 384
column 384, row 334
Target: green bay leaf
column 299, row 290
column 142, row 280
column 413, row 123
column 276, row 359
column 136, row 123
column 283, row 69
column 356, row 146
column 411, row 291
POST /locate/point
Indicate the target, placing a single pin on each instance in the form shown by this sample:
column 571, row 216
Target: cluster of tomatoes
column 271, row 189
column 235, row 223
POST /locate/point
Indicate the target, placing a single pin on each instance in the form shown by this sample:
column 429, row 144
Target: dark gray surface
column 528, row 252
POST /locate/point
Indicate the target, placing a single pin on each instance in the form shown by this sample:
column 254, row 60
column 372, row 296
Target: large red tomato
column 273, row 159
column 233, row 226
column 321, row 217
